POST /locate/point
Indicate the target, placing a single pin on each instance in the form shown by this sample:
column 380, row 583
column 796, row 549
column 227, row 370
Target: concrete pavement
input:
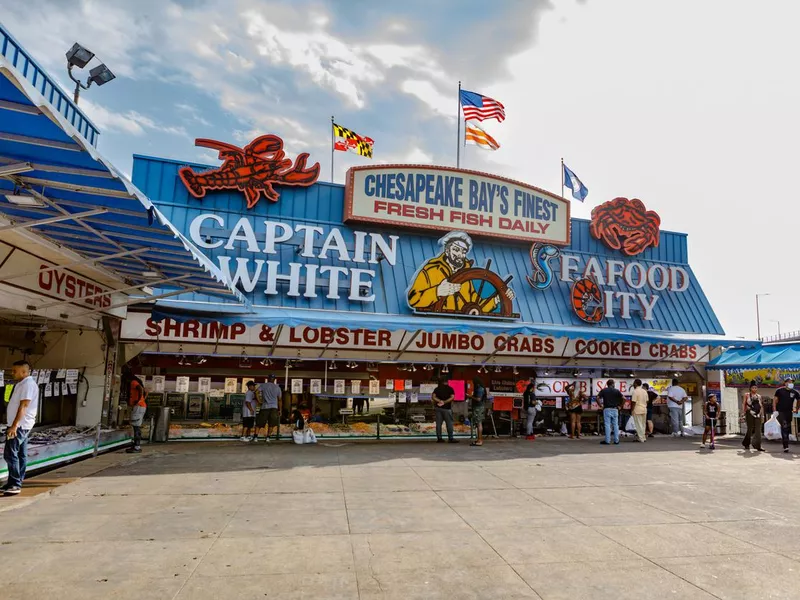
column 551, row 519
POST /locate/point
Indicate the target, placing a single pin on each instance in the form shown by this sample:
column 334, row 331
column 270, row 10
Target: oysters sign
column 445, row 199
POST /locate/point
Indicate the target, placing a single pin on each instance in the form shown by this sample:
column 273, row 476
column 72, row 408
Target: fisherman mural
column 449, row 284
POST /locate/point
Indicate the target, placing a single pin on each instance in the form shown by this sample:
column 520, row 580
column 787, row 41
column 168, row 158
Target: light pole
column 758, row 316
column 78, row 56
column 779, row 325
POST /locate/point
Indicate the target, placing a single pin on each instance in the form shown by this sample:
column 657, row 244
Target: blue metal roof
column 778, row 355
column 87, row 206
column 688, row 312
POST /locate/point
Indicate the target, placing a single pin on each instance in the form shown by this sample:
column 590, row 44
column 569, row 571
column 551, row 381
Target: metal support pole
column 458, row 128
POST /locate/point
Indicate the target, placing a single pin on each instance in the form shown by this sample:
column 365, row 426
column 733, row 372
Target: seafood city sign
column 441, row 198
column 628, row 227
column 253, row 170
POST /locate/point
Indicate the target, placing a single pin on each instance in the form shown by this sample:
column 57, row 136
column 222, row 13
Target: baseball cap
column 785, row 379
column 271, row 376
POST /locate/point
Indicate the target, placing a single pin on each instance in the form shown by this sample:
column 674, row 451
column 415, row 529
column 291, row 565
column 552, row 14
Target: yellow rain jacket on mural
column 422, row 293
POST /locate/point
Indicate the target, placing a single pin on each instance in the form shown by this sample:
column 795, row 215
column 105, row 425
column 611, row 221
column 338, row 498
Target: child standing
column 710, row 414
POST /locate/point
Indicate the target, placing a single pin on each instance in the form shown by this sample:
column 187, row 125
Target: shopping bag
column 298, row 436
column 309, row 437
column 772, row 429
column 630, row 425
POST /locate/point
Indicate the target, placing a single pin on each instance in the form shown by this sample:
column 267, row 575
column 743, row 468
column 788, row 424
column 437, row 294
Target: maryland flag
column 346, row 139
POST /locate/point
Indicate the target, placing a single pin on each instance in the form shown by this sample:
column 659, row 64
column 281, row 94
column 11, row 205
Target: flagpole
column 332, row 148
column 458, row 128
column 562, row 176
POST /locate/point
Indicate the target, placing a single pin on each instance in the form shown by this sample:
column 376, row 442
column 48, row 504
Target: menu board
column 158, row 383
column 204, row 384
column 297, row 386
column 231, row 385
column 339, row 386
column 195, row 406
column 315, row 386
column 374, row 387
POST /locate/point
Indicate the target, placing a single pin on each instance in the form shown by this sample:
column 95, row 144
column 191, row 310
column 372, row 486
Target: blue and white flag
column 579, row 191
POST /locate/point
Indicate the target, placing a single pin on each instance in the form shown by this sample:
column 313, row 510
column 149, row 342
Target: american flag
column 478, row 108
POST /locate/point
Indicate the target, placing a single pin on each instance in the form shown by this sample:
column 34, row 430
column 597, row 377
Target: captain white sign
column 141, row 327
column 264, row 262
column 449, row 199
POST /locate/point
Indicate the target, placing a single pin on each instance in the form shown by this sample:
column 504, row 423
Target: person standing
column 249, row 412
column 786, row 399
column 480, row 401
column 575, row 410
column 136, row 400
column 676, row 397
column 710, row 417
column 20, row 416
column 652, row 396
column 610, row 399
column 639, row 399
column 442, row 398
column 529, row 406
column 753, row 411
column 268, row 416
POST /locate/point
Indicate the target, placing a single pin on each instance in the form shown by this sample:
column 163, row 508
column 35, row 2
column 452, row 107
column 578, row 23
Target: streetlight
column 78, row 56
column 758, row 317
column 779, row 325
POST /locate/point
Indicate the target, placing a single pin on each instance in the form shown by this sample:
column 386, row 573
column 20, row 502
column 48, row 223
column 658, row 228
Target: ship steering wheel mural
column 450, row 284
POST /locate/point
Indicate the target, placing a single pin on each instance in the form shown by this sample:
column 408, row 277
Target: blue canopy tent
column 54, row 183
column 785, row 356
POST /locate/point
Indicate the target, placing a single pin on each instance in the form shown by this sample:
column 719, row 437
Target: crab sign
column 625, row 225
column 253, row 170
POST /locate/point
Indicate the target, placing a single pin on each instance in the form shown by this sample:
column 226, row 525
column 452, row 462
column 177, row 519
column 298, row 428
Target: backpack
column 755, row 406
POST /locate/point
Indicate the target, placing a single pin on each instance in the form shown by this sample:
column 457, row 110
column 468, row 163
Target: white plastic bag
column 299, row 436
column 772, row 429
column 309, row 437
column 563, row 429
column 631, row 425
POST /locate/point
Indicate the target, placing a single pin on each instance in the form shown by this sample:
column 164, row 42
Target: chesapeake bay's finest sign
column 441, row 198
column 141, row 327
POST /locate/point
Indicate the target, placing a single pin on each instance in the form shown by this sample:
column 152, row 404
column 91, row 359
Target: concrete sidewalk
column 552, row 519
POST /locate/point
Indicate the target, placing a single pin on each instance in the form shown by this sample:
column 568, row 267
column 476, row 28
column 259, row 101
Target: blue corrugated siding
column 323, row 204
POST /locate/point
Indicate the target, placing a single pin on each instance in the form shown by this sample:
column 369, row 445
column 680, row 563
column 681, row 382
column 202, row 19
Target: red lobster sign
column 626, row 225
column 253, row 169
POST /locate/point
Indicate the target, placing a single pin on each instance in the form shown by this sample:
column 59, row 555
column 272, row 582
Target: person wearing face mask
column 786, row 399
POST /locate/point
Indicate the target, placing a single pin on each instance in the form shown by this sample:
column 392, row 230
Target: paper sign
column 158, row 383
column 216, row 393
column 355, row 387
column 427, row 388
column 459, row 387
column 73, row 389
column 48, row 390
column 315, row 386
column 414, row 397
column 390, row 384
column 62, row 373
column 182, row 385
column 297, row 386
column 2, row 378
column 408, row 384
column 56, row 388
column 231, row 385
column 374, row 387
column 204, row 384
column 399, row 385
column 338, row 386
column 72, row 375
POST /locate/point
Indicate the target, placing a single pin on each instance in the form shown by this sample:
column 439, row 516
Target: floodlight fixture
column 79, row 57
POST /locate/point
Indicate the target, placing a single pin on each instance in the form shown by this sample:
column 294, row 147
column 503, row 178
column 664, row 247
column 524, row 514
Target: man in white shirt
column 639, row 399
column 21, row 417
column 676, row 396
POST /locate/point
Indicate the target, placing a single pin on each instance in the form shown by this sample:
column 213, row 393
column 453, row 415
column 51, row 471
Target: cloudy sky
column 689, row 105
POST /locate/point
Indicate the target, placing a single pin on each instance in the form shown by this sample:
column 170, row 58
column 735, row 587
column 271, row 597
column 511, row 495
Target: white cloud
column 432, row 97
column 418, row 156
column 131, row 122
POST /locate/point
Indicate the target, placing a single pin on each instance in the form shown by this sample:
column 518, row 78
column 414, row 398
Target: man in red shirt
column 136, row 400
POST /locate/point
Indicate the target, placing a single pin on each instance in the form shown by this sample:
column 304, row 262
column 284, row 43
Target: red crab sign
column 253, row 170
column 625, row 225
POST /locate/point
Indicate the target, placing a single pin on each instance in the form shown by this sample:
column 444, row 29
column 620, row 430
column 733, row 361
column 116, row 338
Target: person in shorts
column 711, row 410
column 480, row 400
column 136, row 400
column 249, row 412
column 268, row 417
